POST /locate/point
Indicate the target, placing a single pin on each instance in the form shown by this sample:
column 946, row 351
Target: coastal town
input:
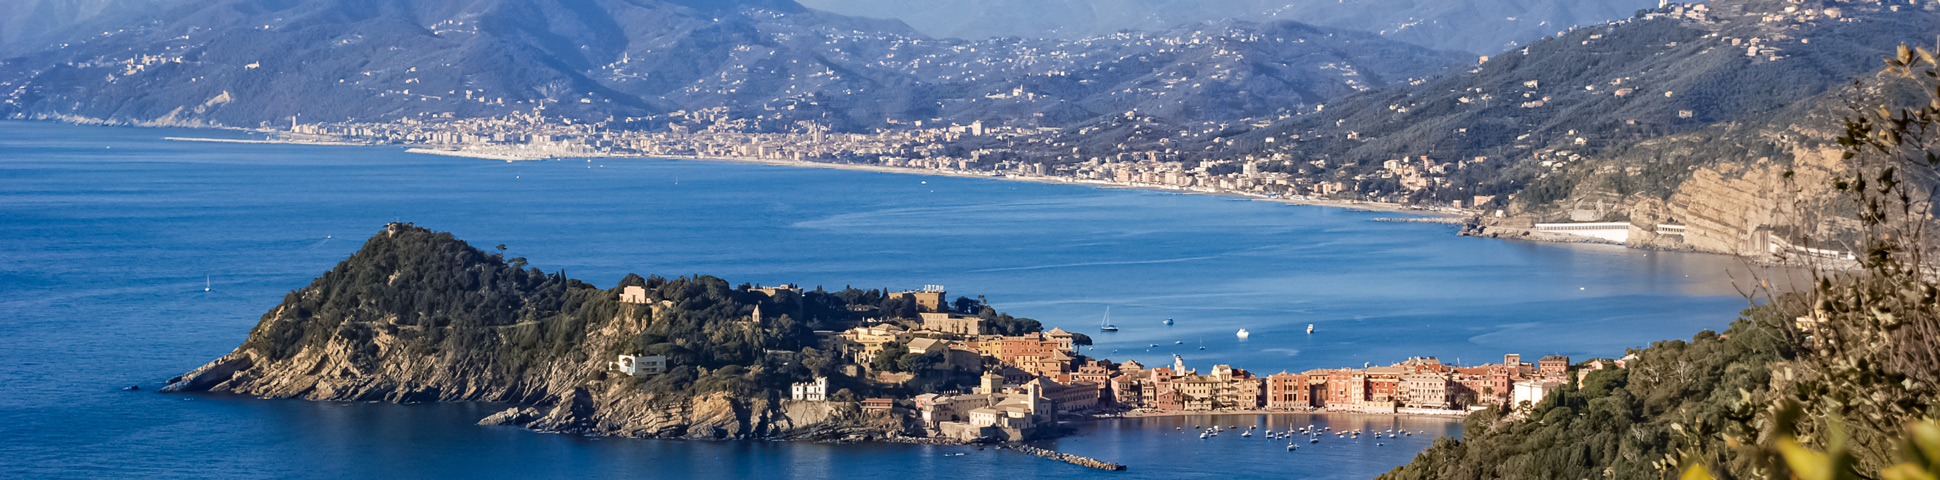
column 933, row 147
column 1024, row 386
column 1408, row 184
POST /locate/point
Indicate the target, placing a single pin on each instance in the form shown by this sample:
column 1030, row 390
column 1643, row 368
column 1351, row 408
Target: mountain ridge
column 775, row 67
column 1479, row 27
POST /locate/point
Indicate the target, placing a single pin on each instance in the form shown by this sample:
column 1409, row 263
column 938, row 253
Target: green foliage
column 818, row 363
column 1004, row 324
column 1919, row 455
column 1632, row 423
column 1812, row 385
column 890, row 358
column 710, row 325
column 967, row 305
column 1919, row 452
column 419, row 284
column 918, row 362
column 1875, row 361
column 430, row 294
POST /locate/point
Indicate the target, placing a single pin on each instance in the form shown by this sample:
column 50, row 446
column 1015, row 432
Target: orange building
column 1553, row 366
column 1345, row 387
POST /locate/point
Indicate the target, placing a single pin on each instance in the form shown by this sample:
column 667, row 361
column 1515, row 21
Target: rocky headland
column 418, row 316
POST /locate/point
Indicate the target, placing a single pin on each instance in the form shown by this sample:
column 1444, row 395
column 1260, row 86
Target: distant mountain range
column 767, row 63
column 29, row 25
column 1614, row 116
column 1611, row 122
column 1600, row 87
column 1481, row 27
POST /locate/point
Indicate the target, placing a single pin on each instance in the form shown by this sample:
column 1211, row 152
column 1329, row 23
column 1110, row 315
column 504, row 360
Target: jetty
column 1067, row 458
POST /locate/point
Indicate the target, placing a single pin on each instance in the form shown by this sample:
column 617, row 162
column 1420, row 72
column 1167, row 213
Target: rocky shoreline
column 584, row 409
column 376, row 329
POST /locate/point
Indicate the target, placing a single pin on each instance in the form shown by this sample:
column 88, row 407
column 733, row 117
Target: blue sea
column 109, row 237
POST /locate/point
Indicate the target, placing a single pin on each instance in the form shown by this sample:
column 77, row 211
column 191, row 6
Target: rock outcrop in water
column 418, row 316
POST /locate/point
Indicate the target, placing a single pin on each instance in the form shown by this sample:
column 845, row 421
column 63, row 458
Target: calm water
column 107, row 236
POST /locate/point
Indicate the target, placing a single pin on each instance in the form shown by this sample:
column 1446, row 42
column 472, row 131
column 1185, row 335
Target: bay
column 109, row 235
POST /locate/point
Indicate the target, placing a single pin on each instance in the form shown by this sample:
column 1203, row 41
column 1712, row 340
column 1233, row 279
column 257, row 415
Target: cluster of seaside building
column 974, row 149
column 1028, row 382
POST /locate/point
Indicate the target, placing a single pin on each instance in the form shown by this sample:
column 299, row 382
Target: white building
column 1613, row 232
column 633, row 294
column 1533, row 391
column 641, row 365
column 816, row 391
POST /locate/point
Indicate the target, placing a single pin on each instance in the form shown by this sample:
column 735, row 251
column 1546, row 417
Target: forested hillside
column 1567, row 104
column 1635, row 422
column 1820, row 383
column 417, row 315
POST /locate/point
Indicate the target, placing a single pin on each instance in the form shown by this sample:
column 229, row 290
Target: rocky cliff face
column 1722, row 208
column 1740, row 208
column 1733, row 207
column 371, row 330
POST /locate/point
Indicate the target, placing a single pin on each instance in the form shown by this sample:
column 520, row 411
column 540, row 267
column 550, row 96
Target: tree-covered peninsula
column 419, row 316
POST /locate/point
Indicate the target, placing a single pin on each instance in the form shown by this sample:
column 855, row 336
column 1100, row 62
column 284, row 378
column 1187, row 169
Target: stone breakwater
column 1067, row 458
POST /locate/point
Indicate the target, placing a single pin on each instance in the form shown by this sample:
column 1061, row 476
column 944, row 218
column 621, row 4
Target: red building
column 1383, row 384
column 1288, row 391
column 1160, row 392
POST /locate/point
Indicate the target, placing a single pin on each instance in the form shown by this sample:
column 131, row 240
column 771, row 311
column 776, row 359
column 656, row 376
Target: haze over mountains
column 770, row 63
column 1481, row 27
column 1603, row 90
column 27, row 25
column 1613, row 116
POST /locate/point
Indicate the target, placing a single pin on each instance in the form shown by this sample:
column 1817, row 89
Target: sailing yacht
column 1310, row 329
column 1105, row 324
